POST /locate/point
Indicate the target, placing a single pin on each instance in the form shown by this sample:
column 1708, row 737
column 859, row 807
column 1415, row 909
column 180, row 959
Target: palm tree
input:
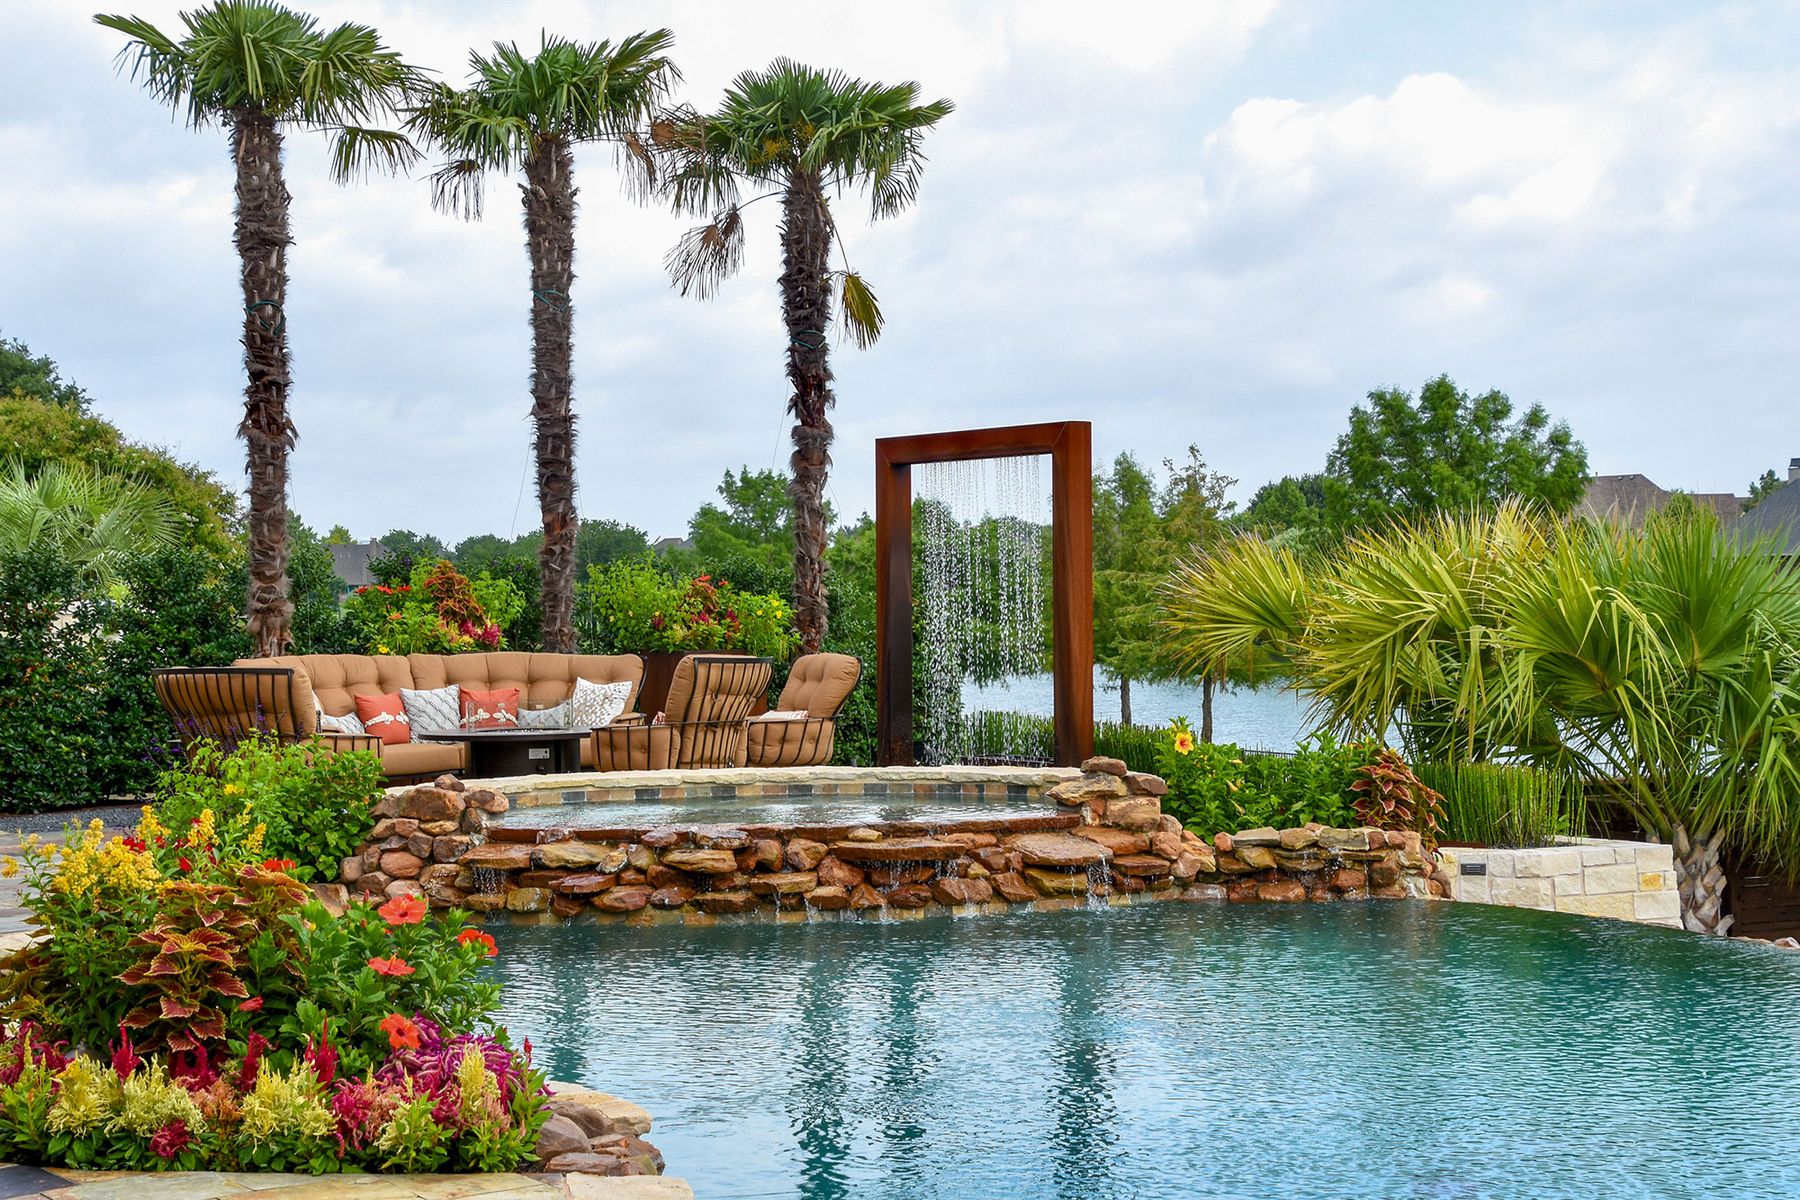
column 528, row 114
column 94, row 521
column 806, row 134
column 257, row 67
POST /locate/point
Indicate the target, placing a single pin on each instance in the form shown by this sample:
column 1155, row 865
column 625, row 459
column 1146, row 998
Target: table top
column 502, row 735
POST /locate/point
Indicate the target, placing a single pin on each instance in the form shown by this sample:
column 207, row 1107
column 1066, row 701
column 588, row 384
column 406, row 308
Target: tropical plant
column 441, row 611
column 257, row 68
column 633, row 606
column 528, row 113
column 1661, row 666
column 1390, row 796
column 93, row 521
column 1220, row 787
column 806, row 134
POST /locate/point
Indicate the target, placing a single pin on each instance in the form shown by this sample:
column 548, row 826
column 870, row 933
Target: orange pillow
column 496, row 709
column 384, row 717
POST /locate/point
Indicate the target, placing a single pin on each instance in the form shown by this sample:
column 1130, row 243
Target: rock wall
column 1105, row 837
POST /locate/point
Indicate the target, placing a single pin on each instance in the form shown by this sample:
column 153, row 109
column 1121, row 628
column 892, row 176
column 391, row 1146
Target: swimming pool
column 1397, row 1050
column 775, row 810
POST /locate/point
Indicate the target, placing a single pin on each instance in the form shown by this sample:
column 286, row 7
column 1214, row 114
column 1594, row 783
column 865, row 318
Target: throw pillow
column 793, row 714
column 433, row 710
column 344, row 724
column 554, row 717
column 594, row 705
column 496, row 709
column 384, row 717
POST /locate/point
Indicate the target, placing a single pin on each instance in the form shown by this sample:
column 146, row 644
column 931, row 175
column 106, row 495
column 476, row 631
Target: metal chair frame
column 715, row 738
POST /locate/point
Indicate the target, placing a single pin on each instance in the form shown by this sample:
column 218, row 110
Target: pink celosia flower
column 124, row 1059
column 171, row 1139
column 253, row 1050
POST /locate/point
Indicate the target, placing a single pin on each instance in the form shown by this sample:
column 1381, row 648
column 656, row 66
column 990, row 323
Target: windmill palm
column 94, row 521
column 528, row 114
column 258, row 68
column 806, row 135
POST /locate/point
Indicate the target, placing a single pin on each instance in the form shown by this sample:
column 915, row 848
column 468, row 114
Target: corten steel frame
column 1070, row 447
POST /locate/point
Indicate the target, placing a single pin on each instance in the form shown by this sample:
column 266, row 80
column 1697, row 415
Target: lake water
column 1262, row 718
column 1397, row 1050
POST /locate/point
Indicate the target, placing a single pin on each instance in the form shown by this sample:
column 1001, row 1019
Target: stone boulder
column 1011, row 887
column 897, row 850
column 1146, row 785
column 560, row 1136
column 803, row 854
column 1058, row 850
column 497, row 856
column 1057, row 883
column 725, row 902
column 828, row 899
column 1119, row 841
column 1140, row 813
column 401, row 864
column 786, row 883
column 528, row 900
column 431, row 804
column 1088, row 788
column 961, row 891
column 598, row 855
column 625, row 898
column 673, row 896
column 701, row 860
column 588, row 883
column 716, row 837
column 835, row 872
column 1099, row 765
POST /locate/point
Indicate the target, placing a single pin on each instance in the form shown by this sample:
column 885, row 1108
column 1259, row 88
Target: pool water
column 1174, row 1050
column 768, row 810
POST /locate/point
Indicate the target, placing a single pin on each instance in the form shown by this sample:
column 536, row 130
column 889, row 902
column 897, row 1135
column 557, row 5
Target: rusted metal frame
column 1070, row 447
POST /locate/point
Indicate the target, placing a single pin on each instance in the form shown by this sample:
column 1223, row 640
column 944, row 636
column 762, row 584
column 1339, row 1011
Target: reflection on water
column 1261, row 718
column 1399, row 1049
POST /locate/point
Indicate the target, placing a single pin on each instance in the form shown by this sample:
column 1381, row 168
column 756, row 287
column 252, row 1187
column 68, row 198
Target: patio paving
column 119, row 818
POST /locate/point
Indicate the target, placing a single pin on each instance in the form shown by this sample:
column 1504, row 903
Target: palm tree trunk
column 1700, row 879
column 262, row 239
column 549, row 192
column 806, row 308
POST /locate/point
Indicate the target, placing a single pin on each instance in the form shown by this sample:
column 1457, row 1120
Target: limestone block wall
column 1628, row 881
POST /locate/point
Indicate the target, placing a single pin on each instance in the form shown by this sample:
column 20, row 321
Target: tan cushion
column 540, row 678
column 424, row 758
column 820, row 683
column 632, row 748
column 337, row 679
column 799, row 743
column 725, row 689
column 223, row 705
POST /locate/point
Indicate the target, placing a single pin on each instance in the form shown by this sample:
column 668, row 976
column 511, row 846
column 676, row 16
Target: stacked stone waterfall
column 1106, row 838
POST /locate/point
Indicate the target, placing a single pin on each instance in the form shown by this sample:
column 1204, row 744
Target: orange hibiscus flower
column 401, row 1032
column 392, row 965
column 403, row 910
column 476, row 935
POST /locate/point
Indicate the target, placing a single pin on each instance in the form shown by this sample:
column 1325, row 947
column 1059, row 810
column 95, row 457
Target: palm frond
column 357, row 150
column 456, row 187
column 707, row 255
column 861, row 311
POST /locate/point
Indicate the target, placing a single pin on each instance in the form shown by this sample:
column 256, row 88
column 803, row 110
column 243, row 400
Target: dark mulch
column 119, row 816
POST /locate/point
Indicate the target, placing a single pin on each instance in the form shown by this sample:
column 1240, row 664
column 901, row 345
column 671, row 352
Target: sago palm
column 528, row 113
column 258, row 68
column 94, row 521
column 805, row 135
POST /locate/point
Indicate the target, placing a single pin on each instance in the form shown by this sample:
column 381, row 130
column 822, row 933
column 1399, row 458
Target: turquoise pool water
column 1172, row 1050
column 768, row 810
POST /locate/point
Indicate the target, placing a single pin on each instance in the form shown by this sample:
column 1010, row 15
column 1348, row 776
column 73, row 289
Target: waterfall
column 981, row 538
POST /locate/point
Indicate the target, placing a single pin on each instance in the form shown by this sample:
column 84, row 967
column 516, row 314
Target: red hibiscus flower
column 403, row 910
column 401, row 1032
column 393, row 965
column 278, row 864
column 476, row 935
column 184, row 864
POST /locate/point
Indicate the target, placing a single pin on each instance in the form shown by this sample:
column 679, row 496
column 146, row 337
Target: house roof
column 1632, row 498
column 351, row 562
column 1776, row 516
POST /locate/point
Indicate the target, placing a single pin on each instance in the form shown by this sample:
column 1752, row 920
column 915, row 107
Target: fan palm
column 91, row 520
column 807, row 135
column 528, row 113
column 257, row 68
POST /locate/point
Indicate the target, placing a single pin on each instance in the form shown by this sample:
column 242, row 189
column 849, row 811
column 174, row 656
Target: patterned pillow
column 432, row 711
column 792, row 714
column 554, row 717
column 594, row 705
column 496, row 709
column 344, row 724
column 384, row 717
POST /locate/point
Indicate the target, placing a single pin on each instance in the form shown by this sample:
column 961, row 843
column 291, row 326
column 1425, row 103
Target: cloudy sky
column 1217, row 222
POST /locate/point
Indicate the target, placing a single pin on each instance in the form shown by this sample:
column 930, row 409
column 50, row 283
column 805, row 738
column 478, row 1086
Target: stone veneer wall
column 1630, row 881
column 1105, row 836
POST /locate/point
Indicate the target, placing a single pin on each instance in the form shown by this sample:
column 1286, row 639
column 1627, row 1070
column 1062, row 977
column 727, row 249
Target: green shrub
column 1218, row 787
column 313, row 807
column 1493, row 804
column 633, row 606
column 1134, row 745
column 51, row 668
column 438, row 611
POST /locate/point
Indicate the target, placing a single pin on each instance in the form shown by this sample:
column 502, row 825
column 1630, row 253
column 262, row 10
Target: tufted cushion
column 540, row 678
column 337, row 679
column 820, row 683
column 789, row 743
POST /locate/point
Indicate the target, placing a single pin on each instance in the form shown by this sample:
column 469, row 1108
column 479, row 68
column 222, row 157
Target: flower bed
column 191, row 1005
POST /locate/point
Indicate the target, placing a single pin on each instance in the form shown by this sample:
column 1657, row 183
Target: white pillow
column 554, row 717
column 594, row 705
column 348, row 723
column 433, row 710
column 796, row 714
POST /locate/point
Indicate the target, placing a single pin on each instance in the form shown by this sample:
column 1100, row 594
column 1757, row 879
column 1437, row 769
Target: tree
column 339, row 536
column 93, row 521
column 756, row 524
column 1141, row 530
column 806, row 134
column 602, row 541
column 1658, row 664
column 23, row 373
column 36, row 433
column 257, row 67
column 1447, row 452
column 528, row 114
column 1760, row 487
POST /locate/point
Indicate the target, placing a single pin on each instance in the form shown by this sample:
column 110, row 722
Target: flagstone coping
column 219, row 1185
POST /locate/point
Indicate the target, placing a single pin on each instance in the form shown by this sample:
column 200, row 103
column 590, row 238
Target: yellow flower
column 1184, row 742
column 9, row 866
column 233, row 789
column 381, row 650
